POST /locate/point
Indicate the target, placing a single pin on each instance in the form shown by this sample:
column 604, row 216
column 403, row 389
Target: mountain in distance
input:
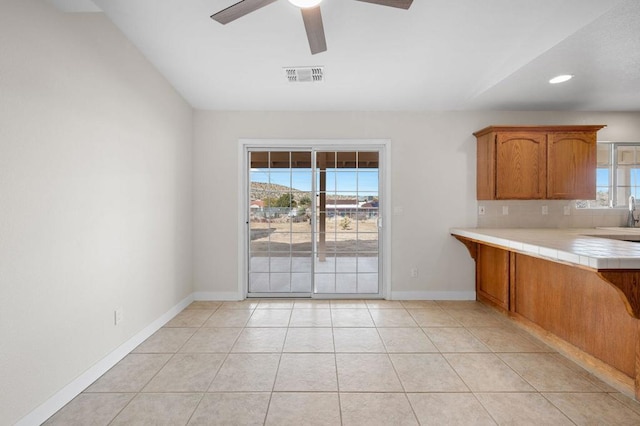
column 262, row 190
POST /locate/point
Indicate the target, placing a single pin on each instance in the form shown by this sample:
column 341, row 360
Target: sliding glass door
column 313, row 223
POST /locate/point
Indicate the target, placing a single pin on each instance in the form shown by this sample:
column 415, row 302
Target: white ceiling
column 438, row 55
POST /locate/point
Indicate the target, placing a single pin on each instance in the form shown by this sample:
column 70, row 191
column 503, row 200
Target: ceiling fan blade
column 402, row 4
column 238, row 10
column 315, row 30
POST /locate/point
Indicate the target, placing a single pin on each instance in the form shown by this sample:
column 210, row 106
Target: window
column 617, row 175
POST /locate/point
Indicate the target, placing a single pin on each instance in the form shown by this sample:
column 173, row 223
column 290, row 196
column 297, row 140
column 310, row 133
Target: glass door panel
column 280, row 250
column 347, row 238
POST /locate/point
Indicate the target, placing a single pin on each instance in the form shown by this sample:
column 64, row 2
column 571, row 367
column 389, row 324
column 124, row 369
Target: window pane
column 602, row 186
column 624, row 167
column 622, row 195
column 602, row 176
column 626, row 155
column 367, row 160
column 259, row 160
column 346, row 160
column 604, row 154
column 279, row 160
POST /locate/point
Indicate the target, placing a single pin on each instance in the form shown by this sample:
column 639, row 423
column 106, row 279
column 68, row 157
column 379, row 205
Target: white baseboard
column 226, row 296
column 73, row 389
column 395, row 295
column 433, row 295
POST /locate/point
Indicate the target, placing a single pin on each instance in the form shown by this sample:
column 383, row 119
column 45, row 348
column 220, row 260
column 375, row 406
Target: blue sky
column 345, row 181
column 602, row 177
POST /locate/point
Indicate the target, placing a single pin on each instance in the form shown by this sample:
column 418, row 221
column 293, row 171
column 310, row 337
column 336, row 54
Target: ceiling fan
column 310, row 15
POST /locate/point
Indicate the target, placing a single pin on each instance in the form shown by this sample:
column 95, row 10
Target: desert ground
column 282, row 235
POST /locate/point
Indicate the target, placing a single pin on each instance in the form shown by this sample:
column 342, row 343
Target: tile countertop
column 598, row 248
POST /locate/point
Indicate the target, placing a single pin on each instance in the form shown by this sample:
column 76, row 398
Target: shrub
column 345, row 223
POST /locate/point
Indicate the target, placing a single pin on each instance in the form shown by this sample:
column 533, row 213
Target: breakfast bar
column 577, row 287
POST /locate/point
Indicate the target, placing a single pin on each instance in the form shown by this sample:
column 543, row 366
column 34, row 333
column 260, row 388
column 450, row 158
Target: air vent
column 304, row 74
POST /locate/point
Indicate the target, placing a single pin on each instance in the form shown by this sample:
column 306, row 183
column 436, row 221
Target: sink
column 620, row 229
column 631, row 235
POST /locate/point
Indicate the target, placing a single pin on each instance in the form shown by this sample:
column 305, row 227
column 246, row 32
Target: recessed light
column 561, row 78
column 303, row 4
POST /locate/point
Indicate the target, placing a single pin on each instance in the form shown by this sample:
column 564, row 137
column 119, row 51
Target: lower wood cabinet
column 578, row 306
column 492, row 275
column 596, row 311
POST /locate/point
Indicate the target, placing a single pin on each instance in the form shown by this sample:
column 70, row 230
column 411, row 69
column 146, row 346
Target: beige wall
column 95, row 198
column 432, row 179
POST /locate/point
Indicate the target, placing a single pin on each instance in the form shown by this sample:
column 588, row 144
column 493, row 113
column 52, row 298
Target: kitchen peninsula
column 578, row 287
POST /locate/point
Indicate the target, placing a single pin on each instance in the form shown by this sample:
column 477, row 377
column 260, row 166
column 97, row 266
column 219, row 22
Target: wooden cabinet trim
column 627, row 284
column 512, row 282
column 486, row 172
column 543, row 129
column 471, row 245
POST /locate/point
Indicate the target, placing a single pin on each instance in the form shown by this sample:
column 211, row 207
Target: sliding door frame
column 384, row 148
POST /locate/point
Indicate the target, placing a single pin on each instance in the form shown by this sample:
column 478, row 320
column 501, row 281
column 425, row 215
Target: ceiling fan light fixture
column 304, row 4
column 561, row 78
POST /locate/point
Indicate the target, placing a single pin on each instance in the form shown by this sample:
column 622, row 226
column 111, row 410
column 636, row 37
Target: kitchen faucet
column 631, row 220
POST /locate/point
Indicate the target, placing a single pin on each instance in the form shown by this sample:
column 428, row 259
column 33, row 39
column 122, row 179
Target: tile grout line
column 221, row 364
column 404, row 389
column 335, row 363
column 217, row 371
column 275, row 378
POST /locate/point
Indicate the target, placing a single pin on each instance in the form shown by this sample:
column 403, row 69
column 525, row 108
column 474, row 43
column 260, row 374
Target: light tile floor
column 285, row 362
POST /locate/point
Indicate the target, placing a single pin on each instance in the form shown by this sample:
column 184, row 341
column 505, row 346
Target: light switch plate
column 505, row 210
column 481, row 210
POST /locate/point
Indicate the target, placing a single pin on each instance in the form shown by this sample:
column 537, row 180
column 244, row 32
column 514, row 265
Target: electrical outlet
column 505, row 210
column 567, row 210
column 398, row 210
column 545, row 210
column 414, row 272
column 481, row 210
column 118, row 316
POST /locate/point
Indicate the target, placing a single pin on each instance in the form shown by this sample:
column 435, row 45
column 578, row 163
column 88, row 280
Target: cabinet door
column 492, row 275
column 521, row 165
column 571, row 166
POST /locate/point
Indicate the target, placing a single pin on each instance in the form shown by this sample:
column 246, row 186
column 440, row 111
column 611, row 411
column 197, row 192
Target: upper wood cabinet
column 536, row 162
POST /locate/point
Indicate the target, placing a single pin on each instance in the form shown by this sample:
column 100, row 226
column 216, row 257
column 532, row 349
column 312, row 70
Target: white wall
column 432, row 173
column 95, row 198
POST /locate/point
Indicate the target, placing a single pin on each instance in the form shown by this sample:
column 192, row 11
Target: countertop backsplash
column 529, row 214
